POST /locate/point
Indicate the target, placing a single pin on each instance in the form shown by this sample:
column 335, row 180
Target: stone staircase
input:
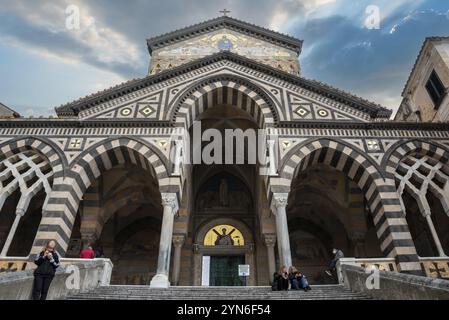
column 129, row 292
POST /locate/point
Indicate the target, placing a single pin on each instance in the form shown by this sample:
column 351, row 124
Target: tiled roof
column 228, row 22
column 73, row 108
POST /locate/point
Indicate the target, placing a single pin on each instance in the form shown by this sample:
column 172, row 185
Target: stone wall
column 92, row 273
column 395, row 286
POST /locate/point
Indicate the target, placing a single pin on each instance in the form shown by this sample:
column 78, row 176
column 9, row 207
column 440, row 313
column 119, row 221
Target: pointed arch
column 405, row 147
column 380, row 193
column 224, row 89
column 61, row 210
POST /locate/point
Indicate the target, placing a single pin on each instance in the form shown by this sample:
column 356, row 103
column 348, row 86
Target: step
column 129, row 292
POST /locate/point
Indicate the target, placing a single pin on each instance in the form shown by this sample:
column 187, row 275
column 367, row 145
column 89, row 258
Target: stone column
column 434, row 233
column 178, row 158
column 426, row 212
column 178, row 242
column 271, row 157
column 270, row 241
column 170, row 206
column 279, row 205
column 19, row 214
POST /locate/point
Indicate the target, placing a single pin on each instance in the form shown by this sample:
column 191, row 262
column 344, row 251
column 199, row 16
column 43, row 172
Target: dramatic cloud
column 110, row 45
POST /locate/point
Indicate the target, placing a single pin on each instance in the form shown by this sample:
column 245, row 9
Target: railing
column 74, row 275
column 385, row 264
column 15, row 264
column 433, row 267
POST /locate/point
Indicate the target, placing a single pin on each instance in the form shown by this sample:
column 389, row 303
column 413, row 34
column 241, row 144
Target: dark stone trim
column 73, row 108
column 141, row 123
column 76, row 123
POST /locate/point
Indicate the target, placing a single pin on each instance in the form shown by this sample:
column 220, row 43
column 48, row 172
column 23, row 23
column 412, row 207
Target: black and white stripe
column 60, row 213
column 404, row 148
column 380, row 193
column 224, row 91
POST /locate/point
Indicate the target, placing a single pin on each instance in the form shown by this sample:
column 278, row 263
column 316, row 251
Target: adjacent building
column 425, row 96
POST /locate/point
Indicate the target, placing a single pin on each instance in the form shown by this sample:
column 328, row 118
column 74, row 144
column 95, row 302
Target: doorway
column 224, row 271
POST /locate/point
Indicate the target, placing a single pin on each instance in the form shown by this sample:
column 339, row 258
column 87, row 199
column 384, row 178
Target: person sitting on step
column 280, row 280
column 298, row 280
column 338, row 254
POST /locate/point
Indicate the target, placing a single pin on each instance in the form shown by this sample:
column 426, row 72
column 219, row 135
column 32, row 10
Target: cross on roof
column 225, row 12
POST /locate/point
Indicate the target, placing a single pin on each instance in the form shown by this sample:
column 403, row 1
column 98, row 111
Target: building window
column 435, row 89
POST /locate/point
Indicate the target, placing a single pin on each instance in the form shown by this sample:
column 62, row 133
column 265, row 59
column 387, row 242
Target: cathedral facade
column 117, row 169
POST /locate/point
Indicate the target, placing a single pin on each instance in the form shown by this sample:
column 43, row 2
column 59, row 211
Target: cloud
column 337, row 49
column 371, row 63
column 41, row 27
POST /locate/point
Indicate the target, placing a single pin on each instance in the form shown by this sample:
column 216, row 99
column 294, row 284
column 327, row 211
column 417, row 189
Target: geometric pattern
column 27, row 171
column 419, row 174
column 143, row 108
column 382, row 198
column 60, row 212
column 304, row 109
column 224, row 92
column 78, row 153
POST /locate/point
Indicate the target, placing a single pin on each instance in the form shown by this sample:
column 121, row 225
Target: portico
column 125, row 170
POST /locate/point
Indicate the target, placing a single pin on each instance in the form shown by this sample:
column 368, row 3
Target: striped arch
column 60, row 213
column 404, row 148
column 382, row 198
column 46, row 148
column 230, row 90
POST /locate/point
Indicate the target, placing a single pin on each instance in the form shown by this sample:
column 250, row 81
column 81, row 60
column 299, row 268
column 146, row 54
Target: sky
column 44, row 63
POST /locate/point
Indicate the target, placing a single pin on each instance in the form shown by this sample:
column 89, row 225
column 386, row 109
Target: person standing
column 87, row 253
column 338, row 254
column 47, row 262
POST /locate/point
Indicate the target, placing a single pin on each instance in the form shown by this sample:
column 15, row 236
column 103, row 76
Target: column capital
column 20, row 212
column 178, row 240
column 279, row 200
column 170, row 200
column 269, row 239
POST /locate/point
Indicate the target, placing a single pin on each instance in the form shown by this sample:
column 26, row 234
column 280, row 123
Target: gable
column 197, row 47
column 296, row 99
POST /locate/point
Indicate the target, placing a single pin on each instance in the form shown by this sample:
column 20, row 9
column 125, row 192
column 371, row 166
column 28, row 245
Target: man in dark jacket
column 338, row 254
column 47, row 261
